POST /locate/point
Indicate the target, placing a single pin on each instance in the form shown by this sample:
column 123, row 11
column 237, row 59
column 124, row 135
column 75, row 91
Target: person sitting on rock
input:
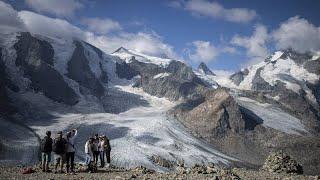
column 46, row 149
column 59, row 149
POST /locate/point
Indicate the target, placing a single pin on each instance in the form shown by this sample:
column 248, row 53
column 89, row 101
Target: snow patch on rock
column 161, row 75
column 127, row 55
column 273, row 117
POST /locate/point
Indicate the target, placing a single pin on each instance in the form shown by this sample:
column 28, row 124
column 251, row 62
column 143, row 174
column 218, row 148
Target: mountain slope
column 159, row 77
column 58, row 84
column 277, row 100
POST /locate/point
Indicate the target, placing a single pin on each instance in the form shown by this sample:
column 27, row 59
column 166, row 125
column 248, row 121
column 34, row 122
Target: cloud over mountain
column 297, row 33
column 255, row 45
column 144, row 42
column 101, row 26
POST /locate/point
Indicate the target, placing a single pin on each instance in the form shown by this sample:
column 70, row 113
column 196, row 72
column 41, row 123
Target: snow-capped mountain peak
column 127, row 54
column 275, row 56
column 203, row 68
column 121, row 50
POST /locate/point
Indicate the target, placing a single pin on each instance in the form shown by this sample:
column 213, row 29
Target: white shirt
column 87, row 148
column 101, row 145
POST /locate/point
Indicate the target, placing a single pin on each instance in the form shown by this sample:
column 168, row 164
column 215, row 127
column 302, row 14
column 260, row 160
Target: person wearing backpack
column 107, row 149
column 46, row 149
column 71, row 150
column 59, row 149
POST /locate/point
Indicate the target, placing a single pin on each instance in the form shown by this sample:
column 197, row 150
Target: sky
column 226, row 35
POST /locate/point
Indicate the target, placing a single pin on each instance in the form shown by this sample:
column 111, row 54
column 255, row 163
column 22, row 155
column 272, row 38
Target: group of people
column 97, row 147
column 64, row 151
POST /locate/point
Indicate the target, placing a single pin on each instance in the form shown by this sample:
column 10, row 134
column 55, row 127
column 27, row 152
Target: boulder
column 280, row 162
column 163, row 162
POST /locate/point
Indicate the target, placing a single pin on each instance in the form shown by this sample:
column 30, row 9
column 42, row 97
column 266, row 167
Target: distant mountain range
column 265, row 107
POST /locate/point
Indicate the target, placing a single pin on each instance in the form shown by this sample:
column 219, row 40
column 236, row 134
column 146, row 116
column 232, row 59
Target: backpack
column 59, row 146
column 92, row 167
column 46, row 144
column 106, row 146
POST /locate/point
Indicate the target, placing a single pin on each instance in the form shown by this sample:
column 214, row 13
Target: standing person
column 96, row 149
column 102, row 152
column 71, row 150
column 88, row 149
column 59, row 149
column 46, row 149
column 107, row 149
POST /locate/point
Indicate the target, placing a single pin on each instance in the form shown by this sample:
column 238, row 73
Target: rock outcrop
column 213, row 115
column 203, row 68
column 79, row 70
column 174, row 82
column 35, row 57
column 4, row 100
column 238, row 77
column 280, row 162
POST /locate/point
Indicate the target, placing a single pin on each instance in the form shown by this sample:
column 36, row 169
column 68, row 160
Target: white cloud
column 62, row 8
column 53, row 27
column 299, row 34
column 148, row 43
column 229, row 49
column 144, row 42
column 203, row 51
column 255, row 45
column 101, row 26
column 9, row 20
column 215, row 10
column 223, row 73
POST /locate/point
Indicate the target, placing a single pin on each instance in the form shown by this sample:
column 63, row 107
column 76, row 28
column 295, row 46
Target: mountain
column 57, row 84
column 287, row 79
column 278, row 104
column 159, row 77
column 206, row 75
column 203, row 68
column 156, row 107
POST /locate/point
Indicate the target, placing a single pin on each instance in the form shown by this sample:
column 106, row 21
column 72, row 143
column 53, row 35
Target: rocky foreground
column 142, row 173
column 278, row 165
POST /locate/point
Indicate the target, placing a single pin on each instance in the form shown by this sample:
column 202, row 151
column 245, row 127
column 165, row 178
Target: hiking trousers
column 102, row 162
column 108, row 152
column 96, row 156
column 70, row 161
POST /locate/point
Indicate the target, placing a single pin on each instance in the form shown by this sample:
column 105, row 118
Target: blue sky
column 191, row 30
